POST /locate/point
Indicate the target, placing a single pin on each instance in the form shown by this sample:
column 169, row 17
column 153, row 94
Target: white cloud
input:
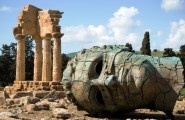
column 118, row 30
column 168, row 5
column 176, row 36
column 5, row 9
column 153, row 34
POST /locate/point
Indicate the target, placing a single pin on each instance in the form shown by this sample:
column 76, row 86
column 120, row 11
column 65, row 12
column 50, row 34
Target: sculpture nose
column 111, row 81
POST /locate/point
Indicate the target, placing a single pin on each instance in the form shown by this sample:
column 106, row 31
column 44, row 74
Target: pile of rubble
column 53, row 105
column 29, row 102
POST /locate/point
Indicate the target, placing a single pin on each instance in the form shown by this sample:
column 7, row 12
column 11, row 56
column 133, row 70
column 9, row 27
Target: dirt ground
column 82, row 115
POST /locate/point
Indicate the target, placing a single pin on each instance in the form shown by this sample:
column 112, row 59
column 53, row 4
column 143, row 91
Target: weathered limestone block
column 8, row 116
column 53, row 105
column 60, row 88
column 10, row 101
column 7, row 91
column 44, row 83
column 20, row 94
column 46, row 88
column 29, row 100
column 43, row 105
column 34, row 21
column 61, row 113
column 31, row 107
column 40, row 94
column 111, row 79
column 55, row 95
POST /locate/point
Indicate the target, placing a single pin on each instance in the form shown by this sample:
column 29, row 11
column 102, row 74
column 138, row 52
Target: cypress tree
column 145, row 49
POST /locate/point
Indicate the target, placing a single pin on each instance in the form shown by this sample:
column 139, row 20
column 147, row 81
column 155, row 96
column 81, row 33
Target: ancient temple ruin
column 42, row 25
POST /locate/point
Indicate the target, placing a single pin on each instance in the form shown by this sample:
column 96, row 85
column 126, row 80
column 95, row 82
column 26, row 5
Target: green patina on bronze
column 111, row 79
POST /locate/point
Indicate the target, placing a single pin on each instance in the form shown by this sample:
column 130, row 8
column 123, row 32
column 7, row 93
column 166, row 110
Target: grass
column 157, row 54
column 182, row 91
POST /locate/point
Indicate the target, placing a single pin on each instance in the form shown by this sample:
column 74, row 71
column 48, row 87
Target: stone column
column 46, row 66
column 20, row 60
column 57, row 57
column 38, row 59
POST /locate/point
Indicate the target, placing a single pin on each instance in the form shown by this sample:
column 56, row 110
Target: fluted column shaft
column 46, row 66
column 20, row 58
column 57, row 57
column 38, row 59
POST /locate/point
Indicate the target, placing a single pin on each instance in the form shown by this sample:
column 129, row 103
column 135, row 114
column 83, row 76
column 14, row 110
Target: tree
column 168, row 52
column 182, row 49
column 155, row 50
column 29, row 58
column 64, row 59
column 181, row 55
column 129, row 45
column 7, row 64
column 145, row 49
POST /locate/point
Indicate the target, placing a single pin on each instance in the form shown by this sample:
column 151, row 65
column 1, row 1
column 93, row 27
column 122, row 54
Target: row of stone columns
column 42, row 58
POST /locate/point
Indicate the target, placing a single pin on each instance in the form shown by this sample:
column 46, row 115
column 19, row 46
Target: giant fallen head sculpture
column 111, row 79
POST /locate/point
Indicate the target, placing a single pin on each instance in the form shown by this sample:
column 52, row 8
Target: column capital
column 20, row 36
column 57, row 34
column 47, row 36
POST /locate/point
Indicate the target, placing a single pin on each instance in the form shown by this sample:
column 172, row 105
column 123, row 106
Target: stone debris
column 7, row 116
column 43, row 105
column 40, row 94
column 55, row 95
column 58, row 107
column 61, row 113
column 32, row 107
column 52, row 101
column 20, row 94
column 180, row 110
column 29, row 100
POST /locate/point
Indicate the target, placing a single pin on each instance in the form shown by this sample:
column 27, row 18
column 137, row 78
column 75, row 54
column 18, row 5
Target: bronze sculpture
column 110, row 79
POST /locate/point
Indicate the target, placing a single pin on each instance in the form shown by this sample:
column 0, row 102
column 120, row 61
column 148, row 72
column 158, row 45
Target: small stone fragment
column 61, row 113
column 43, row 105
column 29, row 100
column 32, row 107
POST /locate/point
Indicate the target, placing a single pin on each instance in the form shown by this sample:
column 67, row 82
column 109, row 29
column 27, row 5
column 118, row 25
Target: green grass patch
column 182, row 91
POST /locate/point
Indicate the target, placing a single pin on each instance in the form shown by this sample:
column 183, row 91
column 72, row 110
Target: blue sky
column 86, row 23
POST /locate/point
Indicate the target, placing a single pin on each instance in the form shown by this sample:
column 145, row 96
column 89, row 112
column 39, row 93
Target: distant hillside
column 155, row 54
column 71, row 55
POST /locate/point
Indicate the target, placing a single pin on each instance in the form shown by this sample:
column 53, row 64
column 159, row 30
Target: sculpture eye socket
column 98, row 67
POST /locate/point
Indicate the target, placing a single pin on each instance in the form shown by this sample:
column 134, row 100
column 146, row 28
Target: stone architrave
column 38, row 59
column 57, row 57
column 46, row 66
column 20, row 61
